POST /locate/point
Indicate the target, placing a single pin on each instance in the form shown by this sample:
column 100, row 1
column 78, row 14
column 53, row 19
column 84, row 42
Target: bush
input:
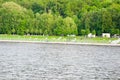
column 83, row 32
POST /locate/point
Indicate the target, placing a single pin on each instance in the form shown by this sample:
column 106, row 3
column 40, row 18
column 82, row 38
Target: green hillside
column 59, row 17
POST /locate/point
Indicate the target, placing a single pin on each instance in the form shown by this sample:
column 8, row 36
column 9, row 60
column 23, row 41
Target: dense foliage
column 59, row 17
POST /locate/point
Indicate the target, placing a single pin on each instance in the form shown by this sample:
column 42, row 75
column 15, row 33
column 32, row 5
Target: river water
column 33, row 61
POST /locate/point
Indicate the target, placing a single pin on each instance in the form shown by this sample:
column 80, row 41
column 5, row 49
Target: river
column 34, row 61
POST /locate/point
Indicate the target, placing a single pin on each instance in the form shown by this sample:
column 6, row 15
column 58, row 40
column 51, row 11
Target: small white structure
column 107, row 35
column 72, row 35
column 90, row 35
column 94, row 36
column 116, row 36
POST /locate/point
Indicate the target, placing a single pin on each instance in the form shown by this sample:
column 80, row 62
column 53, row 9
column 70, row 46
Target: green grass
column 40, row 38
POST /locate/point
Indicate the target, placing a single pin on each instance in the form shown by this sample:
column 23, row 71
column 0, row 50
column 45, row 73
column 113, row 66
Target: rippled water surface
column 32, row 61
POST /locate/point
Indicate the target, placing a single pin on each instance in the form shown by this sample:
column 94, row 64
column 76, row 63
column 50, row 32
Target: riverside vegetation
column 59, row 17
column 40, row 38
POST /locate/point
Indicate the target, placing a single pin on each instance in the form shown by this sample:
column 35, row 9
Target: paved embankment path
column 68, row 43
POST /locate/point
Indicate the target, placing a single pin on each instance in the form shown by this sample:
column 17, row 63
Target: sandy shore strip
column 65, row 43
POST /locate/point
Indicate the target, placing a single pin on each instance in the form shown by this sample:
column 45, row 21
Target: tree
column 70, row 26
column 106, row 21
column 27, row 31
column 47, row 22
column 13, row 31
column 87, row 31
column 37, row 8
column 83, row 32
column 13, row 17
column 58, row 26
column 94, row 32
column 117, row 31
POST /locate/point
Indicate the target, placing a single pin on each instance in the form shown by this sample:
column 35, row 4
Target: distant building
column 90, row 35
column 116, row 36
column 94, row 36
column 107, row 35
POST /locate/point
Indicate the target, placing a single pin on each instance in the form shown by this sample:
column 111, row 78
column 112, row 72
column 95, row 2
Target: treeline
column 59, row 17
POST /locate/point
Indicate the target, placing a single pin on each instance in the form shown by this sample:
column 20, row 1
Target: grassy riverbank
column 79, row 39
